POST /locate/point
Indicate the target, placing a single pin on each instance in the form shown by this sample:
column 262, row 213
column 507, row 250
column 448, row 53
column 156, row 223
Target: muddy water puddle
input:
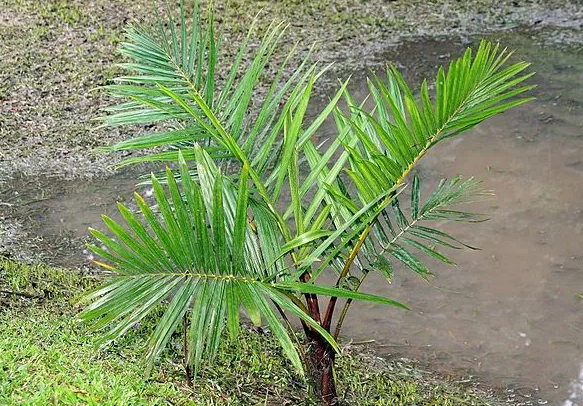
column 510, row 313
column 52, row 217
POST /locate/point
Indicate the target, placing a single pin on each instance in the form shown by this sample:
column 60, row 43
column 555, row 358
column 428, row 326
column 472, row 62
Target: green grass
column 49, row 358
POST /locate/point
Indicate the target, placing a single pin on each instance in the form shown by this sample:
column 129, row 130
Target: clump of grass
column 47, row 357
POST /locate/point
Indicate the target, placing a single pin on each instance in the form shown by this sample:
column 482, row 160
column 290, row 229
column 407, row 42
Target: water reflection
column 576, row 397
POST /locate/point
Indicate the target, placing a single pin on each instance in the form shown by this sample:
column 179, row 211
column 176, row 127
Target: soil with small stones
column 55, row 54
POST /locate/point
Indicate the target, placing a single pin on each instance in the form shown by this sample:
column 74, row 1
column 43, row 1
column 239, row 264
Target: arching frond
column 410, row 233
column 202, row 273
column 174, row 74
column 202, row 260
column 378, row 147
column 408, row 239
column 400, row 130
column 394, row 230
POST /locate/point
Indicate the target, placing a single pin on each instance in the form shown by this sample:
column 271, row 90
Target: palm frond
column 381, row 147
column 400, row 129
column 408, row 230
column 203, row 273
column 407, row 239
column 174, row 77
column 199, row 258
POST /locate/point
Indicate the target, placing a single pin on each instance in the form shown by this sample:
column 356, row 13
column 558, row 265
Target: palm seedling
column 256, row 210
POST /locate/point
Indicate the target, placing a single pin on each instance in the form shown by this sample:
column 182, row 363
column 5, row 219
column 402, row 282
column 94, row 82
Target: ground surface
column 55, row 53
column 48, row 358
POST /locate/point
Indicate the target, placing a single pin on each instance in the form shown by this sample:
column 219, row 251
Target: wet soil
column 54, row 54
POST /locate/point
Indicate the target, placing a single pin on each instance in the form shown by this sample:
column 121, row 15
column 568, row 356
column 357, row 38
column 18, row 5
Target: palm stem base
column 320, row 357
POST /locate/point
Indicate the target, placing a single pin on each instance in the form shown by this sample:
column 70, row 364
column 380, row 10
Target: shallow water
column 51, row 217
column 508, row 313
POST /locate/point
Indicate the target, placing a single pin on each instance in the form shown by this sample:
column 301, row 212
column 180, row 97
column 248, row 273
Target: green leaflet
column 223, row 236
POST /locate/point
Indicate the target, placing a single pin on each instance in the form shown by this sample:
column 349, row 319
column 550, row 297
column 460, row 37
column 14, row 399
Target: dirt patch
column 54, row 53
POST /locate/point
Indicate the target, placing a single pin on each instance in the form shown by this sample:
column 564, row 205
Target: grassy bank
column 48, row 358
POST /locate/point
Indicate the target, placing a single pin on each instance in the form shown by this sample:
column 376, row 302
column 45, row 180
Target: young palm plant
column 255, row 210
